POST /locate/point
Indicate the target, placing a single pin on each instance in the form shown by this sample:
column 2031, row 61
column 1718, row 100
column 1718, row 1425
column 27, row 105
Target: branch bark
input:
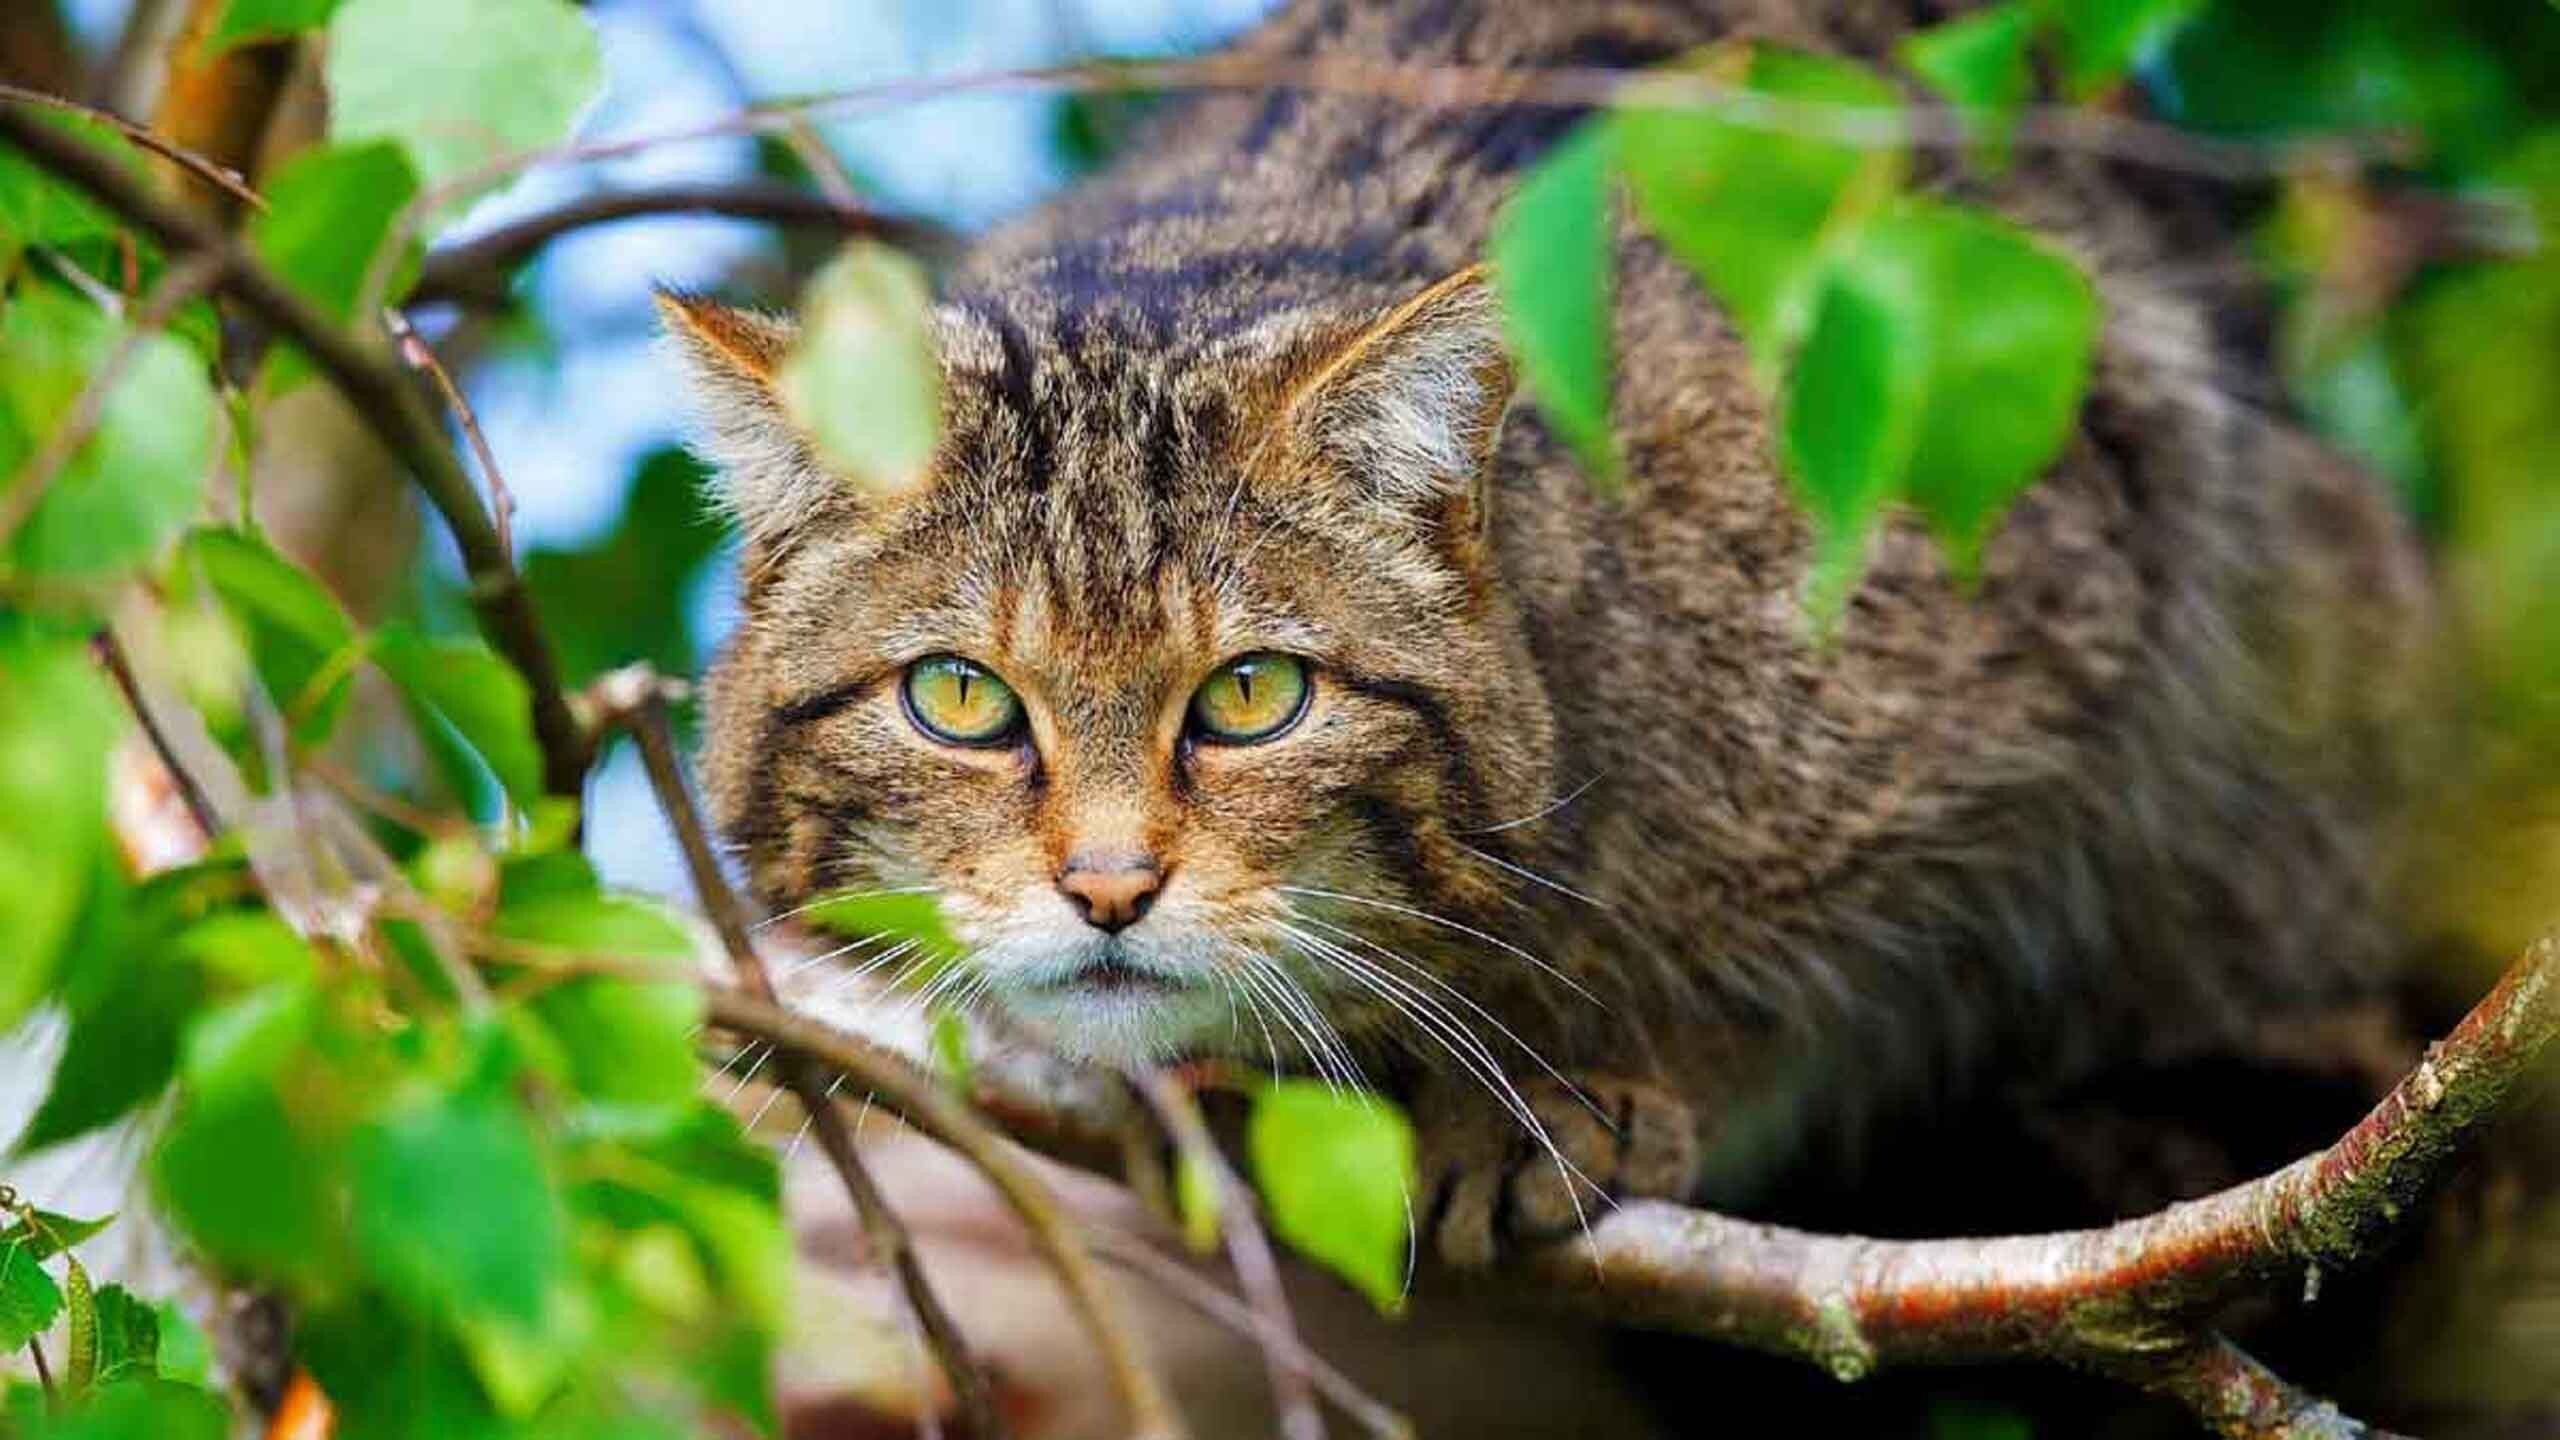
column 375, row 387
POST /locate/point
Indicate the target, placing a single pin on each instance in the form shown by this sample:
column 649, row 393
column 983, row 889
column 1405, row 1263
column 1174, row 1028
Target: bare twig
column 110, row 653
column 421, row 357
column 2236, row 1396
column 1248, row 1250
column 636, row 692
column 911, row 1093
column 184, row 281
column 212, row 172
column 44, row 1370
column 1178, row 1280
column 460, row 272
column 374, row 386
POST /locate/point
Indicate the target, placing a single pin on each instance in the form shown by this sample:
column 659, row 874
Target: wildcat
column 1254, row 674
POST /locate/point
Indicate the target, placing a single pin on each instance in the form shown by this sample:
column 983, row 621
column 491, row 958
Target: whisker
column 1443, row 921
column 1543, row 811
column 835, row 895
column 1533, row 877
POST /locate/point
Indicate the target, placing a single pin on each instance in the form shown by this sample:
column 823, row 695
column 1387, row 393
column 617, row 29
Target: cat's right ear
column 769, row 480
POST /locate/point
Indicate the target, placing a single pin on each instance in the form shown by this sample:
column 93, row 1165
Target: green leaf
column 1981, row 64
column 36, row 208
column 267, row 20
column 1336, row 1169
column 621, row 597
column 234, row 1049
column 300, row 641
column 1930, row 308
column 50, row 1234
column 1552, row 249
column 328, row 215
column 862, row 381
column 139, row 475
column 1748, row 207
column 183, row 1352
column 460, row 83
column 56, row 722
column 128, row 1337
column 143, row 1409
column 2103, row 39
column 626, row 1041
column 1199, row 1199
column 451, row 1207
column 29, row 1300
column 119, row 1055
column 951, row 1050
column 236, row 1176
column 463, row 684
column 862, row 916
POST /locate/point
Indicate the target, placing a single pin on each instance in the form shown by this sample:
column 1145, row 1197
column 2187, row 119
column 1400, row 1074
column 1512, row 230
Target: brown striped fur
column 2130, row 796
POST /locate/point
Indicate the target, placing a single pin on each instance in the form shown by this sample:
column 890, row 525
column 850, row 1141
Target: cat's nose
column 1111, row 890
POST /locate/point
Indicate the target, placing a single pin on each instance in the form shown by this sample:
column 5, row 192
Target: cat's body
column 1577, row 779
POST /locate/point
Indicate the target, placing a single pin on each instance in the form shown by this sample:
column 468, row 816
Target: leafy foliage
column 1337, row 1170
column 863, row 382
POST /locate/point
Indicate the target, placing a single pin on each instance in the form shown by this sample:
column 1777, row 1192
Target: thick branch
column 638, row 693
column 379, row 393
column 474, row 268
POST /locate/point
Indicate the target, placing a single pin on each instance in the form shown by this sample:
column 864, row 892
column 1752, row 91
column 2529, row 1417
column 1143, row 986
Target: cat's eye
column 1253, row 697
column 960, row 702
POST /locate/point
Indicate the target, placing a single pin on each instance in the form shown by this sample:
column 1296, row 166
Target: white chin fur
column 1119, row 1026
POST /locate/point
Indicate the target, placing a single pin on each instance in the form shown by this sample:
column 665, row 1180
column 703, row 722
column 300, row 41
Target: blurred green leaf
column 142, row 1409
column 868, row 916
column 29, row 1298
column 300, row 642
column 951, row 1050
column 118, row 1055
column 622, row 598
column 451, row 1207
column 1336, row 1169
column 182, row 1351
column 1980, row 63
column 50, row 1234
column 2103, row 39
column 1748, row 207
column 329, row 213
column 463, row 683
column 56, row 722
column 626, row 1041
column 236, row 1048
column 862, row 381
column 460, row 83
column 251, row 1191
column 392, row 1375
column 267, row 20
column 35, row 208
column 139, row 475
column 1552, row 251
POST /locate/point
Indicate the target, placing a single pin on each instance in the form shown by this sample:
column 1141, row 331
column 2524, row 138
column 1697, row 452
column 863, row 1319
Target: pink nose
column 1111, row 891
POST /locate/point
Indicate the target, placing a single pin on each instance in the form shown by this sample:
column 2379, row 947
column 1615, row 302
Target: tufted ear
column 769, row 478
column 1408, row 409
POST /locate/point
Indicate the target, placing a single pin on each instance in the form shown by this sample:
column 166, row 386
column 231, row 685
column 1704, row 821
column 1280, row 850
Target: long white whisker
column 1443, row 921
column 1533, row 877
column 1542, row 812
column 834, row 896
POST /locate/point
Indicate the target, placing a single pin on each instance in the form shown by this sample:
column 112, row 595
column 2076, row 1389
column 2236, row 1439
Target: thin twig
column 380, row 394
column 460, row 271
column 44, row 1371
column 421, row 357
column 2241, row 1399
column 921, row 1099
column 637, row 693
column 1248, row 1250
column 185, row 280
column 1180, row 1281
column 211, row 171
column 110, row 653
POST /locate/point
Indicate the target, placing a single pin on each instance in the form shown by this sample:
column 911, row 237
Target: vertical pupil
column 960, row 678
column 1244, row 684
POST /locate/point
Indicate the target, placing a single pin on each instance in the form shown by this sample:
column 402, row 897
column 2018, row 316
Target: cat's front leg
column 1490, row 1184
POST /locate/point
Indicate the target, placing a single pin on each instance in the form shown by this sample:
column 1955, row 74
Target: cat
column 1254, row 673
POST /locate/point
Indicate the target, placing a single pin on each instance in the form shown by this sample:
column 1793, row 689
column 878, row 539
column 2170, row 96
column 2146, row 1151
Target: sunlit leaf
column 1980, row 63
column 267, row 20
column 247, row 1187
column 1552, row 251
column 134, row 482
column 863, row 381
column 128, row 1336
column 460, row 83
column 120, row 1055
column 48, row 1234
column 2102, row 39
column 462, row 683
column 301, row 643
column 328, row 216
column 451, row 1206
column 56, row 722
column 1747, row 206
column 143, row 1409
column 29, row 1298
column 865, row 916
column 1336, row 1170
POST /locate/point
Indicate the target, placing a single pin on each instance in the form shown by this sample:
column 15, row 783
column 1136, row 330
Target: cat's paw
column 1493, row 1188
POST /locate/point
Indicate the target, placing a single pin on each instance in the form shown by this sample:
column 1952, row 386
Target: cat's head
column 1171, row 673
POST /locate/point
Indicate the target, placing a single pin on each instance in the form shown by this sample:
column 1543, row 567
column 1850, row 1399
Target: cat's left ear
column 1409, row 408
column 768, row 478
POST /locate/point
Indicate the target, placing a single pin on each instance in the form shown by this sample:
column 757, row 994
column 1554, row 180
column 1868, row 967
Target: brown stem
column 1248, row 1250
column 120, row 668
column 467, row 271
column 419, row 356
column 44, row 1370
column 2241, row 1399
column 923, row 1102
column 212, row 172
column 638, row 693
column 374, row 386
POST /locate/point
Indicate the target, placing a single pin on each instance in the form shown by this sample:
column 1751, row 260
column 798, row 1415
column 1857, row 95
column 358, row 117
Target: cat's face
column 1167, row 680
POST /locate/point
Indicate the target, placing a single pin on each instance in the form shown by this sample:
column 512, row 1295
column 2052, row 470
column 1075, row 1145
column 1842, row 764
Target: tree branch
column 379, row 393
column 638, row 694
column 466, row 271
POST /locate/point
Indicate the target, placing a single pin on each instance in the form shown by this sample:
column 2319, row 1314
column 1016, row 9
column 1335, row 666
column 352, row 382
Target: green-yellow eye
column 960, row 702
column 1253, row 697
